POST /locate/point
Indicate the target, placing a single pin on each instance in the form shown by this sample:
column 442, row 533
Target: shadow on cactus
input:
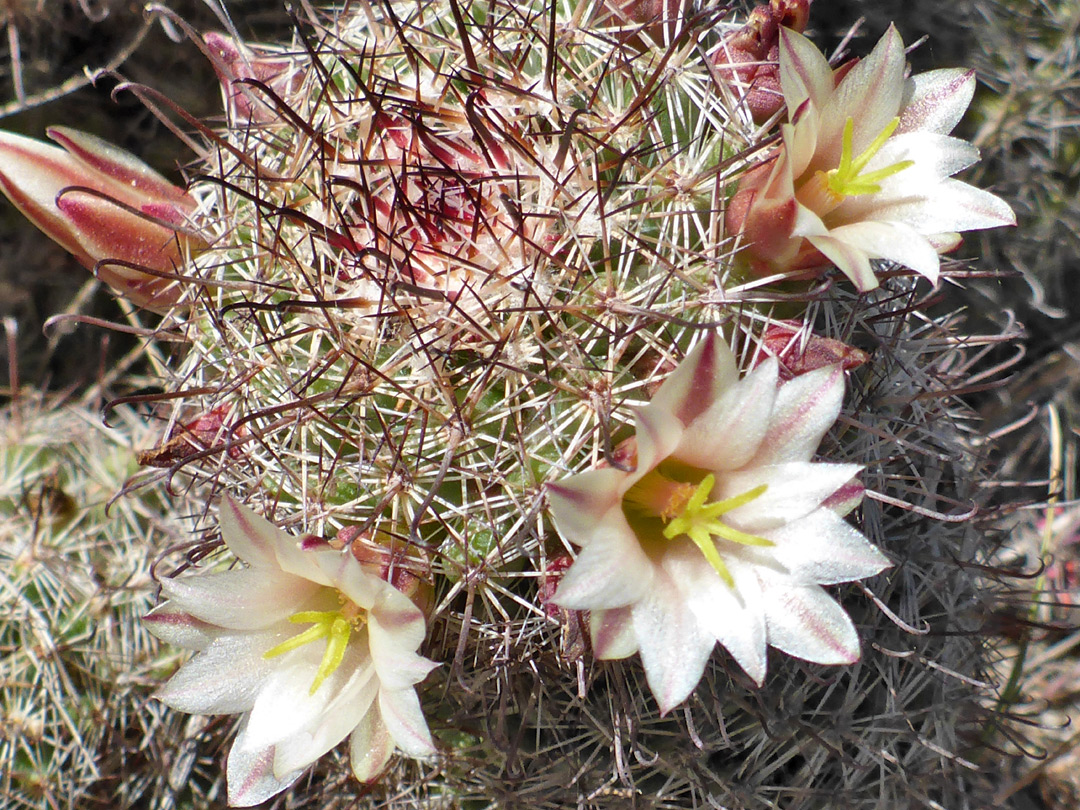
column 462, row 263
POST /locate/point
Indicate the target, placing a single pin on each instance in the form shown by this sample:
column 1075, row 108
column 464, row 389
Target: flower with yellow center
column 722, row 531
column 351, row 673
column 864, row 170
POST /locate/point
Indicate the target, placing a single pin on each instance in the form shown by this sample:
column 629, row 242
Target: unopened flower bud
column 112, row 212
column 748, row 58
column 800, row 353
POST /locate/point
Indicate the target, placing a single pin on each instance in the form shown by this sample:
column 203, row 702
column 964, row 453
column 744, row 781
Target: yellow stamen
column 846, row 179
column 334, row 625
column 700, row 522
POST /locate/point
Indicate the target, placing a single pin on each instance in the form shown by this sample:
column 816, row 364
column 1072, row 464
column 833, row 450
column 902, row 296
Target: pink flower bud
column 108, row 209
column 800, row 353
column 748, row 59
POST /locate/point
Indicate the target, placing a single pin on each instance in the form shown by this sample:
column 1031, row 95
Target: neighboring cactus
column 451, row 248
column 74, row 659
column 1028, row 59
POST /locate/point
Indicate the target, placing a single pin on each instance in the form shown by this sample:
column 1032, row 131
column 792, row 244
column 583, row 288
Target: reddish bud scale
column 387, row 558
column 185, row 440
column 748, row 59
column 800, row 353
column 574, row 632
column 549, row 583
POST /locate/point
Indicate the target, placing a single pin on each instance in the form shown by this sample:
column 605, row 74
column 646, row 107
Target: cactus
column 74, row 659
column 449, row 249
column 1031, row 65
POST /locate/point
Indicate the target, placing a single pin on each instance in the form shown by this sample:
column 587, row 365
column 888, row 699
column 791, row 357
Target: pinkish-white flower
column 865, row 169
column 307, row 644
column 721, row 529
column 111, row 211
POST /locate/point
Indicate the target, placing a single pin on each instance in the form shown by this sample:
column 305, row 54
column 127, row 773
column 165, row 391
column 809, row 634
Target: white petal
column 612, row 633
column 224, row 678
column 734, row 617
column 179, row 628
column 399, row 616
column 674, row 648
column 777, row 192
column 945, row 242
column 349, row 577
column 800, row 142
column 870, row 94
column 658, row 433
column 845, row 499
column 707, row 370
column 404, row 719
column 894, row 241
column 728, row 434
column 250, row 537
column 953, row 206
column 242, row 599
column 794, row 490
column 851, row 261
column 393, row 652
column 344, row 713
column 804, row 71
column 807, row 223
column 806, row 407
column 250, row 776
column 301, row 562
column 581, row 503
column 259, row 542
column 370, row 747
column 936, row 101
column 933, row 156
column 285, row 706
column 611, row 572
column 804, row 621
column 824, row 549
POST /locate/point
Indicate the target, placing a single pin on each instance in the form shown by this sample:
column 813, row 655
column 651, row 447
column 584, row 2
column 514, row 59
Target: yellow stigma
column 700, row 522
column 334, row 625
column 846, row 181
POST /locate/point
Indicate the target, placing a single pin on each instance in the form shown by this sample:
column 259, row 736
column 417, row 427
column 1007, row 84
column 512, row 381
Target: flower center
column 334, row 625
column 847, row 180
column 684, row 509
column 826, row 190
